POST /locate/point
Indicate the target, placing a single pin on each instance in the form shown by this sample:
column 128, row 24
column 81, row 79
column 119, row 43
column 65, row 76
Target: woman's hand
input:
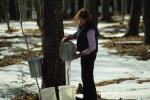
column 78, row 55
column 64, row 39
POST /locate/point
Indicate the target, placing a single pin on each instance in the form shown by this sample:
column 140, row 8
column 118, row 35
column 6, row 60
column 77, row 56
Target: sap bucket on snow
column 35, row 64
column 67, row 92
column 48, row 94
column 67, row 51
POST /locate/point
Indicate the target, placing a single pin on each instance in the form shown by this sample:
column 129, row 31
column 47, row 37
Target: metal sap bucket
column 67, row 51
column 48, row 94
column 35, row 65
column 67, row 92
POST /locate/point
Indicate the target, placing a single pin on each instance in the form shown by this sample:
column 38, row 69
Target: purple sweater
column 91, row 42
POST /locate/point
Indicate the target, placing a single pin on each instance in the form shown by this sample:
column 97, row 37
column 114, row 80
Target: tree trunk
column 53, row 68
column 78, row 5
column 13, row 10
column 23, row 4
column 7, row 18
column 123, row 8
column 106, row 15
column 92, row 6
column 29, row 5
column 66, row 7
column 1, row 11
column 72, row 9
column 38, row 4
column 135, row 18
column 129, row 2
column 16, row 11
column 116, row 7
column 146, row 19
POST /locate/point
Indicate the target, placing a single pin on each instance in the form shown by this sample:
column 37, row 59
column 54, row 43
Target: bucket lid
column 35, row 59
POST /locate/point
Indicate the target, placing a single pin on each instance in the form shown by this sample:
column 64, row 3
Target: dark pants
column 87, row 67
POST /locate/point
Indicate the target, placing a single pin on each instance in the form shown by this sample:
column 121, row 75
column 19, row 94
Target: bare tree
column 116, row 7
column 123, row 9
column 146, row 19
column 106, row 15
column 53, row 69
column 78, row 5
column 38, row 4
column 92, row 6
column 66, row 7
column 1, row 10
column 135, row 18
column 5, row 8
column 23, row 4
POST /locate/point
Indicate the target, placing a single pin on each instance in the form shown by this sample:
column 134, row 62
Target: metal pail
column 35, row 65
column 67, row 51
column 67, row 92
column 48, row 93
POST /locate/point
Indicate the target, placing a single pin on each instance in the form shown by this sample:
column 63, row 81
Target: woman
column 87, row 46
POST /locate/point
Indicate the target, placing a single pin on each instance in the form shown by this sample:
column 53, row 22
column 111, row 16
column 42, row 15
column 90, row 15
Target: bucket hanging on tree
column 35, row 64
column 67, row 52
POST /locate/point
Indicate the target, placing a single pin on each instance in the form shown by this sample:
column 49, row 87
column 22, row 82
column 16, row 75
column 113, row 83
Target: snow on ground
column 107, row 67
column 9, row 79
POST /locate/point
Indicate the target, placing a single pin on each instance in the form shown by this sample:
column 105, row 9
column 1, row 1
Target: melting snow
column 107, row 67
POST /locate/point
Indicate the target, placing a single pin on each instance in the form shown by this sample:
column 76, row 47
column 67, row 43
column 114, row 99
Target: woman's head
column 82, row 16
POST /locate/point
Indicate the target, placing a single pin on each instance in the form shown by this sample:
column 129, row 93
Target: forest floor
column 115, row 65
column 132, row 46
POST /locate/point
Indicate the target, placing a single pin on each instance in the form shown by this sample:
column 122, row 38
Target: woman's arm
column 91, row 42
column 69, row 37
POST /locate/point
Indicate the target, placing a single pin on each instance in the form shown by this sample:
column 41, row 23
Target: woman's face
column 82, row 21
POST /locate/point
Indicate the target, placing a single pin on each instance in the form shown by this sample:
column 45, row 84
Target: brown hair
column 83, row 13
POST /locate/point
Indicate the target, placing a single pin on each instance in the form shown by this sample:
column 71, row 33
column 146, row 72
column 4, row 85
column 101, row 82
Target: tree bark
column 106, row 15
column 53, row 69
column 92, row 6
column 123, row 8
column 13, row 10
column 116, row 7
column 38, row 4
column 66, row 7
column 78, row 5
column 72, row 9
column 7, row 17
column 135, row 18
column 29, row 5
column 1, row 11
column 23, row 4
column 146, row 19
